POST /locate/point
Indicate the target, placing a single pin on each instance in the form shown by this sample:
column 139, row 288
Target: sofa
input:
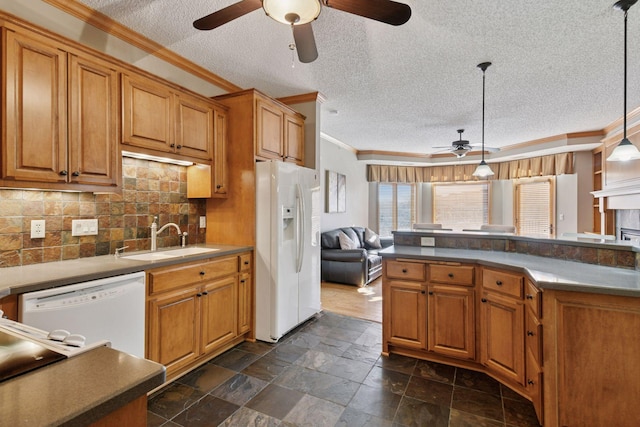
column 354, row 261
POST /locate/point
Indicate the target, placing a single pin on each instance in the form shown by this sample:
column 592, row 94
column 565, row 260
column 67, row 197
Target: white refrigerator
column 287, row 247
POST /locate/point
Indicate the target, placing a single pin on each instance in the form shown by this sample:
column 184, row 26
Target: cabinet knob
column 529, row 296
column 205, row 293
column 404, row 270
column 530, row 333
column 499, row 282
column 198, row 294
column 483, row 300
column 451, row 275
column 530, row 382
column 202, row 273
column 64, row 173
column 172, row 145
column 75, row 173
column 179, row 146
column 242, row 281
column 423, row 292
column 218, row 186
column 430, row 292
column 246, row 263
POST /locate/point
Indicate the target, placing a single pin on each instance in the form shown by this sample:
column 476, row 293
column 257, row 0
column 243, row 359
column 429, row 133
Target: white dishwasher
column 110, row 309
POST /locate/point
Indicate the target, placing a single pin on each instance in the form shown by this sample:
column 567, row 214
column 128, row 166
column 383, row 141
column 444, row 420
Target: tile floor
column 329, row 372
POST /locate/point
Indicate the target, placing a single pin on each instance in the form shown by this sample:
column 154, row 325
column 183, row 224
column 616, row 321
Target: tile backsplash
column 149, row 189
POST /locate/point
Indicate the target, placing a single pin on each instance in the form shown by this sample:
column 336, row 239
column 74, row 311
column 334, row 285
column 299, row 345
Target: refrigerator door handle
column 300, row 227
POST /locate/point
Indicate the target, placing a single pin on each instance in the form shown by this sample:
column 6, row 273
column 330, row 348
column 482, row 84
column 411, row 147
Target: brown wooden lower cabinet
column 407, row 315
column 451, row 321
column 197, row 310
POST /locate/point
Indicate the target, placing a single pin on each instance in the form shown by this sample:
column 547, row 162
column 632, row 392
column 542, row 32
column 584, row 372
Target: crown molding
column 302, row 98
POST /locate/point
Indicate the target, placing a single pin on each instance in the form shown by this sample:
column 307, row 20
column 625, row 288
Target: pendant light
column 625, row 149
column 483, row 170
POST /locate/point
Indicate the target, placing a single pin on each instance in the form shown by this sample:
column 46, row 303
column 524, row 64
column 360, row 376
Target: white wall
column 566, row 204
column 338, row 159
column 501, row 204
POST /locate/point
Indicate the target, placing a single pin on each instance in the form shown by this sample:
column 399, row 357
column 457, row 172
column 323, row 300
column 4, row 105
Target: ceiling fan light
column 623, row 152
column 305, row 10
column 483, row 170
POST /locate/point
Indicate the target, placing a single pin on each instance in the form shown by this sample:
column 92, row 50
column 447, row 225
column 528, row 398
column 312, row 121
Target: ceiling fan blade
column 305, row 43
column 387, row 11
column 229, row 13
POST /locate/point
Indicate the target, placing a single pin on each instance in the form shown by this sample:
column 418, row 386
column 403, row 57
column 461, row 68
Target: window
column 461, row 206
column 396, row 207
column 535, row 207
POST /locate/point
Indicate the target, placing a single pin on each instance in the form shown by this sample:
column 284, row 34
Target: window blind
column 461, row 206
column 396, row 207
column 534, row 208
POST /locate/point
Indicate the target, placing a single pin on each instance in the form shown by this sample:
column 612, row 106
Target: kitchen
column 148, row 188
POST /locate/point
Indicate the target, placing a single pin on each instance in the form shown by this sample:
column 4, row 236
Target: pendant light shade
column 625, row 149
column 483, row 170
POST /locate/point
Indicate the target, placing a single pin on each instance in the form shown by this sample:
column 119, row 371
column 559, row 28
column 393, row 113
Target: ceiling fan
column 300, row 13
column 461, row 147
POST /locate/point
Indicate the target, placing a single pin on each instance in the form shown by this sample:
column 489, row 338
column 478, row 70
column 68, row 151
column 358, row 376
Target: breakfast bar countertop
column 547, row 273
column 79, row 390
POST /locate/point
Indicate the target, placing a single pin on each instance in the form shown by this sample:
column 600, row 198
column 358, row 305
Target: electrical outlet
column 84, row 227
column 427, row 241
column 37, row 229
column 203, row 222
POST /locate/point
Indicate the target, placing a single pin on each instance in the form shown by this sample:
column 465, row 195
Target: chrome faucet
column 155, row 231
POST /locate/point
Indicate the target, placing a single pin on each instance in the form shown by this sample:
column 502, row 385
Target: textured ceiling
column 557, row 66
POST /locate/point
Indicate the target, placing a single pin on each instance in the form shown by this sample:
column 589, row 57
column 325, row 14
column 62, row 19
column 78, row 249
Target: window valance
column 555, row 164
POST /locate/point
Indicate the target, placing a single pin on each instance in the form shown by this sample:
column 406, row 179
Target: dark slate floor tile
column 155, row 420
column 209, row 411
column 520, row 413
column 435, row 371
column 248, row 417
column 353, row 418
column 416, row 413
column 317, row 329
column 332, row 346
column 287, row 352
column 312, row 412
column 477, row 381
column 430, row 391
column 239, row 389
column 275, row 401
column 173, row 399
column 344, row 334
column 318, row 384
column 257, row 347
column 376, row 402
column 388, row 380
column 266, row 368
column 478, row 403
column 353, row 370
column 207, row 377
column 316, row 360
column 397, row 363
column 354, row 324
column 235, row 360
column 465, row 419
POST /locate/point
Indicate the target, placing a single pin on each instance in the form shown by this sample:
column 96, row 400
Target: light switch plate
column 203, row 222
column 427, row 241
column 84, row 227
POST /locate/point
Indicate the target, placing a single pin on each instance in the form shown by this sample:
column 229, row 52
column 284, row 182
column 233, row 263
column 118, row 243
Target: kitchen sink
column 172, row 253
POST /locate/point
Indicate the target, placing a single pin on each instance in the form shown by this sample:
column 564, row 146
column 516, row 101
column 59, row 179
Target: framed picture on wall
column 336, row 196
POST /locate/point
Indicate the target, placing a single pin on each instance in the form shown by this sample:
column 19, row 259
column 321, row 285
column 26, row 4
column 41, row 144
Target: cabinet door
column 502, row 326
column 147, row 121
column 294, row 139
column 407, row 314
column 269, row 128
column 220, row 154
column 174, row 329
column 219, row 313
column 451, row 325
column 35, row 119
column 194, row 127
column 244, row 303
column 94, row 155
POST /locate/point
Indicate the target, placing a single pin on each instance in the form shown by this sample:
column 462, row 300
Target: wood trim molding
column 575, row 135
column 632, row 116
column 109, row 26
column 303, row 97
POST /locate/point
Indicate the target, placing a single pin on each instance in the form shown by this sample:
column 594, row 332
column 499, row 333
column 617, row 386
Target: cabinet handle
column 404, row 270
column 218, row 186
column 242, row 281
column 530, row 333
column 205, row 293
column 423, row 292
column 75, row 173
column 179, row 146
column 529, row 296
column 64, row 173
column 483, row 300
column 430, row 292
column 451, row 275
column 246, row 263
column 202, row 273
column 173, row 146
column 499, row 282
column 198, row 294
column 530, row 382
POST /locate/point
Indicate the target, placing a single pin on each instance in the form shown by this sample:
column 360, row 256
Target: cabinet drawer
column 174, row 277
column 406, row 270
column 533, row 331
column 245, row 262
column 458, row 274
column 533, row 297
column 500, row 281
column 534, row 383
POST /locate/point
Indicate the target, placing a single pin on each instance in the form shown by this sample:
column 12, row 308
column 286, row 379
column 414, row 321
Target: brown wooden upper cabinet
column 159, row 119
column 280, row 132
column 60, row 117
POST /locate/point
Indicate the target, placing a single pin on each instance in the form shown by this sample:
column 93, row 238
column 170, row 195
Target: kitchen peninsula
column 556, row 321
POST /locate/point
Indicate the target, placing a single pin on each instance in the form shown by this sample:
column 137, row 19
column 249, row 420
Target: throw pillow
column 372, row 239
column 346, row 242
